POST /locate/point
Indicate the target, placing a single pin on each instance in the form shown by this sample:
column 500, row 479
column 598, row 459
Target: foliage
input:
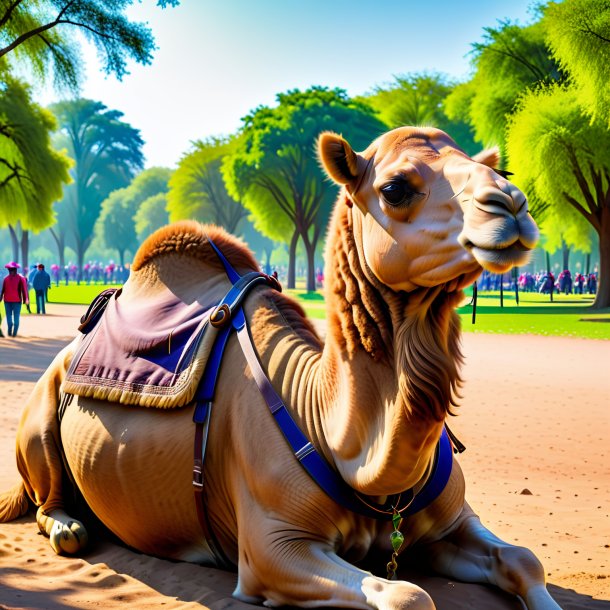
column 151, row 215
column 418, row 99
column 32, row 172
column 275, row 171
column 197, row 188
column 107, row 153
column 561, row 155
column 578, row 33
column 510, row 60
column 116, row 225
column 42, row 35
column 117, row 221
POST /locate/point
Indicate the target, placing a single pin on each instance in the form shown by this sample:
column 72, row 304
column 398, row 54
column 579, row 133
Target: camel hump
column 13, row 503
column 191, row 239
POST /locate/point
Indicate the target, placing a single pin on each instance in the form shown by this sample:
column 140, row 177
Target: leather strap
column 318, row 468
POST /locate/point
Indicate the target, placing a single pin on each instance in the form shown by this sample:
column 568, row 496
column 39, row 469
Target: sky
column 219, row 59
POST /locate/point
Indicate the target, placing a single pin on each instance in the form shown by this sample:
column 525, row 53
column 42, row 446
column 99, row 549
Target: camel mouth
column 500, row 260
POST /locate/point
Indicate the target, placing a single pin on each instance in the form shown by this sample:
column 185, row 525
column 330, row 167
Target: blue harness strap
column 326, row 477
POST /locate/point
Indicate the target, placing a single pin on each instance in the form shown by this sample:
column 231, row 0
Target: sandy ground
column 535, row 419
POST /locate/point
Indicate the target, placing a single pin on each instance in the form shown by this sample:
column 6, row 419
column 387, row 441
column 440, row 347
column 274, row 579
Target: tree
column 418, row 99
column 117, row 221
column 41, row 34
column 567, row 130
column 275, row 171
column 511, row 60
column 107, row 154
column 197, row 188
column 578, row 33
column 32, row 172
column 151, row 215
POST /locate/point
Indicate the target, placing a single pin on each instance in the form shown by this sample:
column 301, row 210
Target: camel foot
column 67, row 536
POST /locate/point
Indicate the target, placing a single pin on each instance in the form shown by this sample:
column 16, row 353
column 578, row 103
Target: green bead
column 397, row 539
column 396, row 520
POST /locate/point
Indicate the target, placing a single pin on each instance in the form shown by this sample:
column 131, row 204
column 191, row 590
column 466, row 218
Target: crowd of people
column 92, row 273
column 543, row 282
column 16, row 287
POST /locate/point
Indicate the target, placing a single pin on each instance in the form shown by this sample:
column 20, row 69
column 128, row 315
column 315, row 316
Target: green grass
column 73, row 294
column 566, row 316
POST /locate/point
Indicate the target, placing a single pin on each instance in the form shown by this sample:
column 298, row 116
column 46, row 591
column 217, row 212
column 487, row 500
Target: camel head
column 425, row 213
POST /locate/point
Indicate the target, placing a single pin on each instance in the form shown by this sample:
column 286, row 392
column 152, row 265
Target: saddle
column 153, row 352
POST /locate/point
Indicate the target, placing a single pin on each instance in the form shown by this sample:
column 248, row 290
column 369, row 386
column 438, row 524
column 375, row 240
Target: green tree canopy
column 418, row 99
column 563, row 157
column 275, row 171
column 116, row 224
column 151, row 215
column 107, row 154
column 510, row 60
column 32, row 172
column 41, row 34
column 197, row 188
column 579, row 35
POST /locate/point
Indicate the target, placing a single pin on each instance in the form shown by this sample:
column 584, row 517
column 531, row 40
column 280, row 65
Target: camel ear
column 489, row 157
column 337, row 158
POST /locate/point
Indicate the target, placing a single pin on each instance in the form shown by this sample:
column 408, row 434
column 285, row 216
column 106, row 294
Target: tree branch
column 9, row 12
column 580, row 178
column 591, row 218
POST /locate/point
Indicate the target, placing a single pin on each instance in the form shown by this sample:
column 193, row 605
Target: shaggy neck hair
column 419, row 330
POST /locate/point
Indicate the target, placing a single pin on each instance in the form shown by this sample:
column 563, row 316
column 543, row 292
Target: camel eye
column 398, row 192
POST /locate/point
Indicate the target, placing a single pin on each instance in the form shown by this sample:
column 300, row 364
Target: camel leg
column 286, row 566
column 40, row 462
column 66, row 535
column 471, row 553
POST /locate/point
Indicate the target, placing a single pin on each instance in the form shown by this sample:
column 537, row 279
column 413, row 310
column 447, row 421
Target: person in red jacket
column 14, row 292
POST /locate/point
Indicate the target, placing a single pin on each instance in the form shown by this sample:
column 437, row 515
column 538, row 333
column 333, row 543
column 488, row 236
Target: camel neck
column 387, row 374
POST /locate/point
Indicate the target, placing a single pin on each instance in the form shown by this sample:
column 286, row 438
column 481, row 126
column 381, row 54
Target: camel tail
column 13, row 503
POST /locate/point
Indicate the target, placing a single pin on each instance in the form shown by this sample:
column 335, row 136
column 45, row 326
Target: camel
column 415, row 223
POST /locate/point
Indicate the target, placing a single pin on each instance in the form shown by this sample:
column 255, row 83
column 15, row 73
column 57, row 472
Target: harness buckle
column 220, row 316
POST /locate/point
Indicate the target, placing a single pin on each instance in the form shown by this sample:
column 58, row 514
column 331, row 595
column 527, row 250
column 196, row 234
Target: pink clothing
column 14, row 289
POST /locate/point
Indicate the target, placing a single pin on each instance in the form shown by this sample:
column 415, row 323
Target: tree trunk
column 60, row 242
column 80, row 260
column 122, row 258
column 25, row 251
column 310, row 250
column 292, row 260
column 548, row 262
column 14, row 242
column 565, row 251
column 602, row 298
column 588, row 263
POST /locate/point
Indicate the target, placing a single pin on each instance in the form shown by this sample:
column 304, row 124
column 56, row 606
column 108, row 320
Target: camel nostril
column 495, row 201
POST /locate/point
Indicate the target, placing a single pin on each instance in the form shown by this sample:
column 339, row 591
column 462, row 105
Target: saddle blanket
column 146, row 353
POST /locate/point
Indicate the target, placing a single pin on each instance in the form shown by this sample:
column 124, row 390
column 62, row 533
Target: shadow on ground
column 26, row 360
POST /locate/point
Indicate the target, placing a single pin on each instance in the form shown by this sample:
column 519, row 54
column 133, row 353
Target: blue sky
column 219, row 59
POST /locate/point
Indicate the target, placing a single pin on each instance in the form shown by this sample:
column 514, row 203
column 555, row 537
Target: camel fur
column 414, row 224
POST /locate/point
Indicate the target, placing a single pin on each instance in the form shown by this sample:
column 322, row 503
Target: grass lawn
column 567, row 315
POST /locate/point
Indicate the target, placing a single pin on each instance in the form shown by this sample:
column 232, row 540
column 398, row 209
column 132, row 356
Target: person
column 14, row 293
column 41, row 282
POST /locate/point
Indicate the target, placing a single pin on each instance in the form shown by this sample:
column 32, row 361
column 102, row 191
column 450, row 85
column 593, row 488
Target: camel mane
column 419, row 331
column 362, row 312
column 191, row 238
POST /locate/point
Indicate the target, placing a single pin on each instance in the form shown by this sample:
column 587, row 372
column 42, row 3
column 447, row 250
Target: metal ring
column 220, row 316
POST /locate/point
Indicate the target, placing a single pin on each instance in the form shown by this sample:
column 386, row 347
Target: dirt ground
column 535, row 418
